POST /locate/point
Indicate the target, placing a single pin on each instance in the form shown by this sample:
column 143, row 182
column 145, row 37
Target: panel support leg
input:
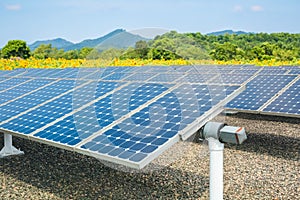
column 9, row 149
column 216, row 149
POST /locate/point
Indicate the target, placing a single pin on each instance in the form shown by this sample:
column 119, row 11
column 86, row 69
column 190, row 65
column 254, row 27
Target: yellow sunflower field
column 10, row 64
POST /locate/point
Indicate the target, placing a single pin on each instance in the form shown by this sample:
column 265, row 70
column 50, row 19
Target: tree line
column 173, row 45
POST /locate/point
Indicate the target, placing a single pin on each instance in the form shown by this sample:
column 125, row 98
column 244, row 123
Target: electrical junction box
column 233, row 135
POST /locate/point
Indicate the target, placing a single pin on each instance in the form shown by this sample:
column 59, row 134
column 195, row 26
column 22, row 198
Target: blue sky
column 75, row 20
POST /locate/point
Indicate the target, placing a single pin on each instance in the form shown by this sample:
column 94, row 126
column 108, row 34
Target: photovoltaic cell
column 259, row 91
column 116, row 76
column 231, row 79
column 273, row 70
column 22, row 89
column 197, row 78
column 295, row 71
column 20, row 105
column 166, row 77
column 129, row 115
column 59, row 107
column 139, row 76
column 102, row 113
column 288, row 102
column 12, row 73
column 137, row 138
column 11, row 82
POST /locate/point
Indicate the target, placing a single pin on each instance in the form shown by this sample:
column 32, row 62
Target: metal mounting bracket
column 8, row 149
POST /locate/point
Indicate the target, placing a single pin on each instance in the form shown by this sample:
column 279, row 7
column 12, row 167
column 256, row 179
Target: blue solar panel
column 295, row 71
column 166, row 77
column 59, row 107
column 137, row 138
column 15, row 72
column 273, row 70
column 91, row 119
column 197, row 78
column 181, row 68
column 249, row 71
column 288, row 102
column 259, row 91
column 129, row 115
column 116, row 76
column 160, row 69
column 51, row 73
column 231, row 79
column 2, row 79
column 139, row 76
column 23, row 88
column 11, row 82
column 33, row 99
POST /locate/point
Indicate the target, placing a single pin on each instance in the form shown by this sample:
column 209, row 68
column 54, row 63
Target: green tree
column 110, row 54
column 57, row 53
column 43, row 51
column 130, row 53
column 141, row 44
column 162, row 54
column 16, row 48
column 72, row 54
column 264, row 51
column 141, row 49
column 94, row 54
column 189, row 52
column 226, row 51
column 164, row 43
column 84, row 52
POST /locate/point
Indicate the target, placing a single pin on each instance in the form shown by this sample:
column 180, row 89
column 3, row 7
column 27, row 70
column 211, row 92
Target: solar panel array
column 272, row 91
column 130, row 115
column 126, row 115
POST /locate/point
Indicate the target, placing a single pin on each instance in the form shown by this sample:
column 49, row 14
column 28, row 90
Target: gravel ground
column 266, row 166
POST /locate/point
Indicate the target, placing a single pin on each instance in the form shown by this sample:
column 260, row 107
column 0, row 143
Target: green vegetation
column 173, row 45
column 260, row 46
column 15, row 48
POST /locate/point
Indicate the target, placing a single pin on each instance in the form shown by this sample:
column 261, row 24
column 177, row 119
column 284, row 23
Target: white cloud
column 257, row 8
column 14, row 7
column 238, row 8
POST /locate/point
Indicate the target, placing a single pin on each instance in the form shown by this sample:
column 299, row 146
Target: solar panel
column 231, row 79
column 16, row 91
column 139, row 76
column 44, row 114
column 294, row 71
column 116, row 114
column 35, row 98
column 273, row 70
column 130, row 115
column 287, row 103
column 166, row 77
column 11, row 82
column 11, row 73
column 135, row 140
column 259, row 91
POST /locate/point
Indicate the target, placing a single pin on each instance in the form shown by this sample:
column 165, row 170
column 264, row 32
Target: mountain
column 94, row 42
column 57, row 43
column 122, row 40
column 118, row 38
column 230, row 32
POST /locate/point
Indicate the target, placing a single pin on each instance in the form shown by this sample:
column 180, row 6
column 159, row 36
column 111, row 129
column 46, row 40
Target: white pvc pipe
column 216, row 149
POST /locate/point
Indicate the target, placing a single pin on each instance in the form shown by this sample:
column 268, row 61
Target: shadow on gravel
column 70, row 175
column 260, row 117
column 274, row 145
